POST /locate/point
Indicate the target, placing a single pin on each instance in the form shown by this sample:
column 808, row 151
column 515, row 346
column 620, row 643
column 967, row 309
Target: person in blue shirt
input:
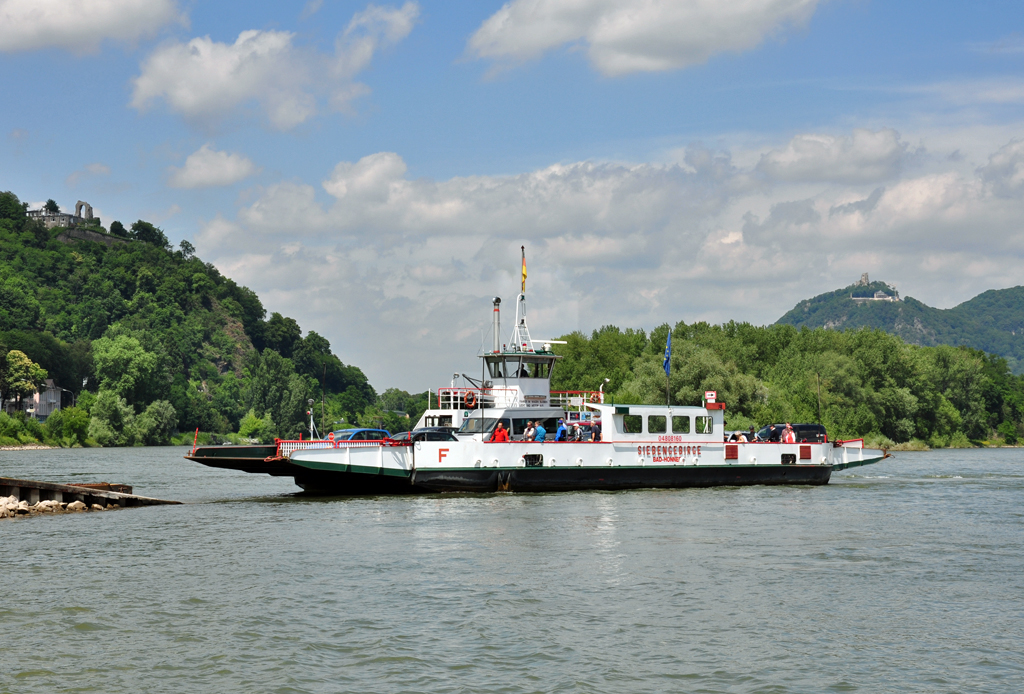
column 541, row 432
column 562, row 432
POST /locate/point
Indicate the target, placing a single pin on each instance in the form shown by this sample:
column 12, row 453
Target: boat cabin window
column 680, row 425
column 656, row 424
column 705, row 425
column 484, row 425
column 518, row 367
column 632, row 424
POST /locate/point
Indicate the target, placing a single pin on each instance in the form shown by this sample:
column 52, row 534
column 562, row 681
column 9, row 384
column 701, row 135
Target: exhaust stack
column 497, row 325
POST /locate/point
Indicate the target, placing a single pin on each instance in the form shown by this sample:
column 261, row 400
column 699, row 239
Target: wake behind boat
column 627, row 446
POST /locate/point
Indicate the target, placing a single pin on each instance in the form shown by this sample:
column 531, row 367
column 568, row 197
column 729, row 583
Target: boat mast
column 521, row 341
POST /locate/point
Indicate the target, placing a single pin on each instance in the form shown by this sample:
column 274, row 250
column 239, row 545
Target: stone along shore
column 11, row 507
column 31, row 497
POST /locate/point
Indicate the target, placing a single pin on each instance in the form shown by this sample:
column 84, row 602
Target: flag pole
column 668, row 367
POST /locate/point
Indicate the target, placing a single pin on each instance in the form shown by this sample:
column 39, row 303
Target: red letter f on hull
column 441, row 453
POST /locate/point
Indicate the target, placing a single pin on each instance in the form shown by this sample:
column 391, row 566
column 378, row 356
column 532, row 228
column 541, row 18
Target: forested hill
column 858, row 383
column 161, row 340
column 992, row 322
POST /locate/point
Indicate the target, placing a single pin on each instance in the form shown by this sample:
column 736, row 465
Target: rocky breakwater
column 12, row 507
column 18, row 496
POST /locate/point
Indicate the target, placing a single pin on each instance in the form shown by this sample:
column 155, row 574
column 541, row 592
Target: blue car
column 361, row 435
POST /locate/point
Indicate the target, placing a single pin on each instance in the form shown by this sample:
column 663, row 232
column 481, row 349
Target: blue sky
column 372, row 169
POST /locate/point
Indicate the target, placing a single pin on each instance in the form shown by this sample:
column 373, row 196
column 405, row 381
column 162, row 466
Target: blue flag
column 668, row 354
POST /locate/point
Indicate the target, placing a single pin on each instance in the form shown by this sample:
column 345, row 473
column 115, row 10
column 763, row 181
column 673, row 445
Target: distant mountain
column 992, row 321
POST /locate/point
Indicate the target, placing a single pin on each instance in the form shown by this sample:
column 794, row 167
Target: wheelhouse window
column 680, row 425
column 656, row 424
column 518, row 367
column 632, row 424
column 705, row 425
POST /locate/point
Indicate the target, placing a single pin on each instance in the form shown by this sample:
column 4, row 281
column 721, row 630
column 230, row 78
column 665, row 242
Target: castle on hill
column 83, row 212
column 878, row 296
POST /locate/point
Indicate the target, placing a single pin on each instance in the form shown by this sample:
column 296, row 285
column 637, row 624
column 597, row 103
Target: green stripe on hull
column 361, row 469
column 859, row 463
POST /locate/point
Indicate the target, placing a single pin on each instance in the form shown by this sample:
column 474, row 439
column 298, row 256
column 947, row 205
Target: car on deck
column 361, row 435
column 426, row 434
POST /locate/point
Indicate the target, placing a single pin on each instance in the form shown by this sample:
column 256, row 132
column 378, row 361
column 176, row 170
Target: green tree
column 51, row 206
column 19, row 307
column 113, row 420
column 117, row 229
column 156, row 424
column 281, row 334
column 19, row 377
column 122, row 365
column 11, row 207
column 272, row 386
column 148, row 233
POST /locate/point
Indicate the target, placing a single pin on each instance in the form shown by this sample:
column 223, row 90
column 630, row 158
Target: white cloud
column 1005, row 170
column 206, row 81
column 862, row 157
column 641, row 36
column 94, row 169
column 208, row 168
column 80, row 26
column 411, row 264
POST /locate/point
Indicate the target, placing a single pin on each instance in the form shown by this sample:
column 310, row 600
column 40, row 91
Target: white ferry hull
column 480, row 467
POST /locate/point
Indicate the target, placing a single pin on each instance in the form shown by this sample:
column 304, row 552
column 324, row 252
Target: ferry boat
column 639, row 446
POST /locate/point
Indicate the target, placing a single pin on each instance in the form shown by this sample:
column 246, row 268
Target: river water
column 906, row 576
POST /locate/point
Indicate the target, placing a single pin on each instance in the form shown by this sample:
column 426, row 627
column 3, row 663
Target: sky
column 372, row 170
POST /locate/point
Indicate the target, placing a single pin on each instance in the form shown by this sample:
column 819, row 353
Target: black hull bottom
column 616, row 478
column 558, row 479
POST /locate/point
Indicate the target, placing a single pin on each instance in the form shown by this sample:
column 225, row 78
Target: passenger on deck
column 751, row 435
column 789, row 436
column 500, row 434
column 741, row 437
column 541, row 432
column 595, row 431
column 577, row 433
column 562, row 432
column 530, row 432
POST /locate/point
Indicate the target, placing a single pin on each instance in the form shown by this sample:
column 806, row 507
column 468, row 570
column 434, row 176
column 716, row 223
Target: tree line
column 872, row 384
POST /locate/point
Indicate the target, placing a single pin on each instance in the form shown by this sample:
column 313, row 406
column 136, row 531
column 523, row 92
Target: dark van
column 805, row 433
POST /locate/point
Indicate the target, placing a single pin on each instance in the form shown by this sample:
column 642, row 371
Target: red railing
column 284, row 448
column 473, row 398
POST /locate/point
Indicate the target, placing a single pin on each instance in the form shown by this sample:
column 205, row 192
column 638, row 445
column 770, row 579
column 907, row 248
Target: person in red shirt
column 789, row 436
column 500, row 434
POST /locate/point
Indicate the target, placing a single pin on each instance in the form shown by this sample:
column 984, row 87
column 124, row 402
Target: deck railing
column 567, row 399
column 476, row 398
column 285, row 448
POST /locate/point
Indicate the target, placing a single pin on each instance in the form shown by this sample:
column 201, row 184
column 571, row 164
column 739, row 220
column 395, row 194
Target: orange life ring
column 470, row 399
column 594, row 397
